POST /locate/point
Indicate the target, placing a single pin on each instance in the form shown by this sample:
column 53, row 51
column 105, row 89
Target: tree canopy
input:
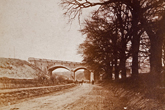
column 117, row 24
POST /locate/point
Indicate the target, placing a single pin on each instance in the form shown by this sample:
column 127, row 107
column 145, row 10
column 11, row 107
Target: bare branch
column 74, row 7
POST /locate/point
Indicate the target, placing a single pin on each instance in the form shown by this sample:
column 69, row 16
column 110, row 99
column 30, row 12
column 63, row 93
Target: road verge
column 11, row 96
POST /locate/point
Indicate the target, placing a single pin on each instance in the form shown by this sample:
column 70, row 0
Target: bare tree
column 147, row 15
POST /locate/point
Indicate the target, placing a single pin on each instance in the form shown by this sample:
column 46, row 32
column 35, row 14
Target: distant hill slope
column 79, row 75
column 16, row 68
column 65, row 74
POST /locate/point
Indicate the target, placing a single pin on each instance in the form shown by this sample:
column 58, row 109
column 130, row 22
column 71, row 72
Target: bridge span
column 47, row 66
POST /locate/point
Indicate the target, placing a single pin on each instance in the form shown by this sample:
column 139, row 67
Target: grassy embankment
column 141, row 93
column 16, row 73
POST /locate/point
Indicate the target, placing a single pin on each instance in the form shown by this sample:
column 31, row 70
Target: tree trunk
column 109, row 71
column 123, row 68
column 123, row 59
column 116, row 70
column 135, row 49
column 123, row 63
column 156, row 54
column 136, row 38
column 96, row 75
column 116, row 60
column 156, row 42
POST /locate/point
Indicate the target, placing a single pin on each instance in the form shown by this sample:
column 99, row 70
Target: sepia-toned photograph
column 82, row 54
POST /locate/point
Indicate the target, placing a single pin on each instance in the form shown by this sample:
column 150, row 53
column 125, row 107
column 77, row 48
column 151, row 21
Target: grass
column 19, row 69
column 141, row 92
column 16, row 73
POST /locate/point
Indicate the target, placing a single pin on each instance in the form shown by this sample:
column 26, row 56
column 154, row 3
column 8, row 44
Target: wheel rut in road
column 82, row 97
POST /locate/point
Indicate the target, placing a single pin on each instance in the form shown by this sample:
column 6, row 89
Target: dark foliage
column 133, row 19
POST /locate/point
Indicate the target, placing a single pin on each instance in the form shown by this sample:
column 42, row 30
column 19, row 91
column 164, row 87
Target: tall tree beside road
column 106, row 45
column 153, row 21
column 146, row 16
column 98, row 48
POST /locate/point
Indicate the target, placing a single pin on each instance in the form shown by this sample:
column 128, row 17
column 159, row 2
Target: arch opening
column 82, row 74
column 61, row 72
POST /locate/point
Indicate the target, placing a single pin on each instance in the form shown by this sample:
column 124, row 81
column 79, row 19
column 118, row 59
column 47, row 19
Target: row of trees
column 120, row 30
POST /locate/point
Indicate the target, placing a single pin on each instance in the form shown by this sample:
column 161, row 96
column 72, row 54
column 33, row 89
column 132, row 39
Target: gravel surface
column 81, row 97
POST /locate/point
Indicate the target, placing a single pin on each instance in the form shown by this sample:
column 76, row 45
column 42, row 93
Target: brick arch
column 48, row 65
column 52, row 68
column 80, row 68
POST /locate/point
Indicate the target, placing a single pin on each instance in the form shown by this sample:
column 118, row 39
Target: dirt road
column 82, row 97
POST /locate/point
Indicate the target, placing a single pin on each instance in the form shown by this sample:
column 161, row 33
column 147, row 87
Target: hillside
column 63, row 74
column 18, row 69
column 80, row 75
column 21, row 69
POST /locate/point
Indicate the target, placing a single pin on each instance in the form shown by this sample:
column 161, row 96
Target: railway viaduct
column 47, row 66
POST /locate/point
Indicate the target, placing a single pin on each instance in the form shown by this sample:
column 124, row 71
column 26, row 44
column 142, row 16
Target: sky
column 38, row 28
